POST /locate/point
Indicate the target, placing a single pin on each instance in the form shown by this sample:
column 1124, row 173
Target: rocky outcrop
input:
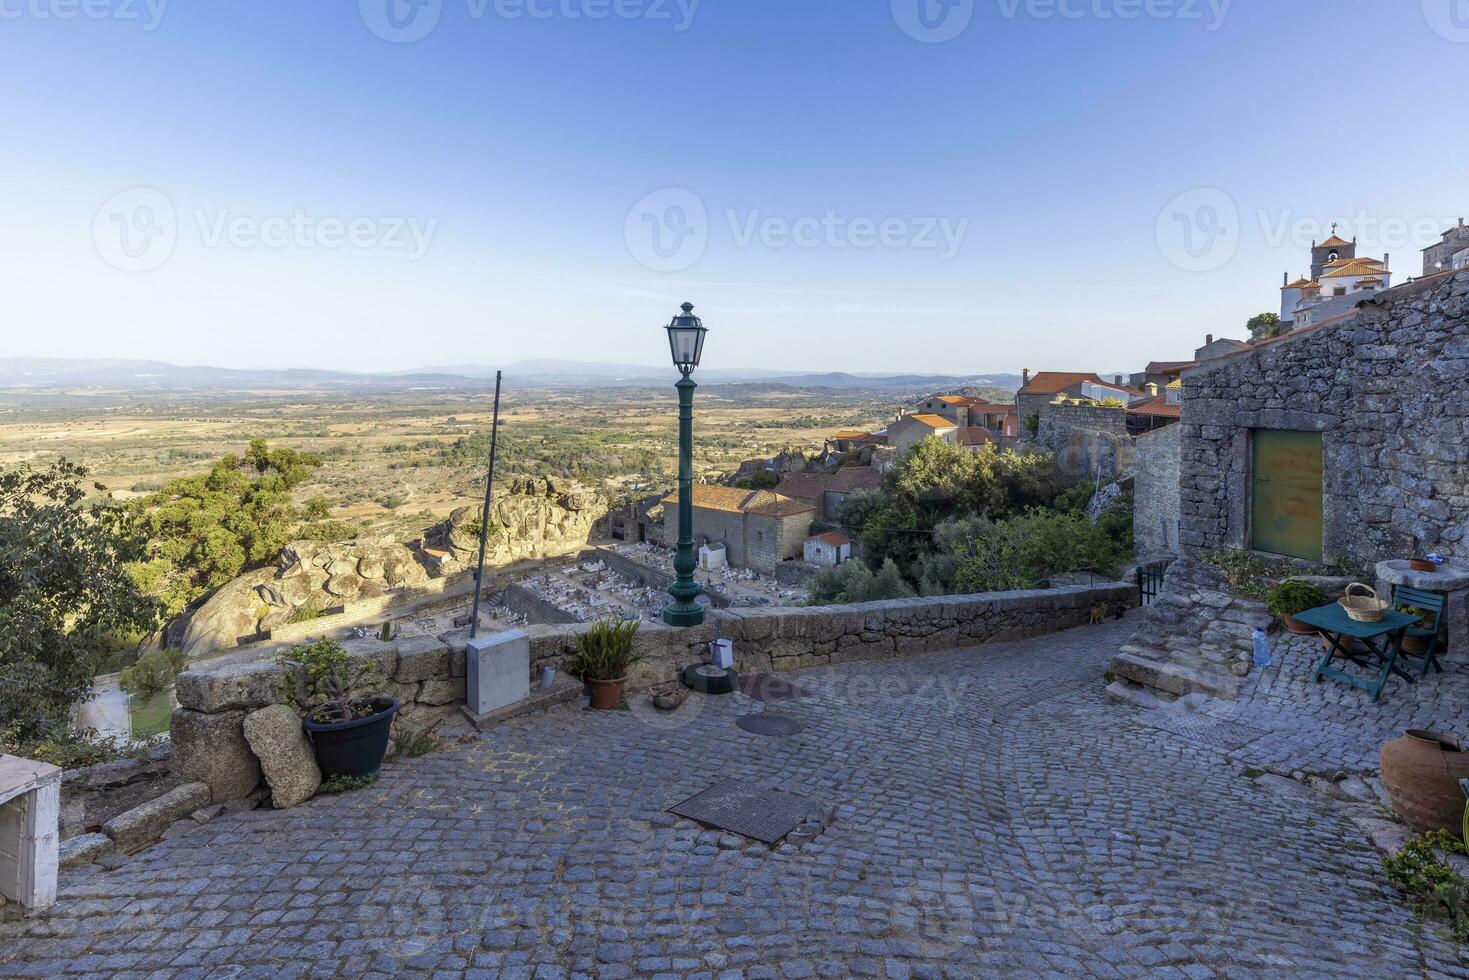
column 286, row 757
column 536, row 518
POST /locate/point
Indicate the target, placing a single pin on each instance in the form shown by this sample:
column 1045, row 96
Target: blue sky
column 272, row 184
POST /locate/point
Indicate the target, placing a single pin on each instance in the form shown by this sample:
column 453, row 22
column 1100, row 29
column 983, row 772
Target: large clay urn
column 1421, row 771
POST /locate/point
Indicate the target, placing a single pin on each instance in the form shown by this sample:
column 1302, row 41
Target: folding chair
column 1431, row 603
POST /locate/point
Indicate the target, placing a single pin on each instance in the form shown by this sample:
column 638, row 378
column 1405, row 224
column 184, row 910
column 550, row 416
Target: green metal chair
column 1433, row 604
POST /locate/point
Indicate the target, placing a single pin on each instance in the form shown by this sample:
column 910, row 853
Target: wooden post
column 30, row 815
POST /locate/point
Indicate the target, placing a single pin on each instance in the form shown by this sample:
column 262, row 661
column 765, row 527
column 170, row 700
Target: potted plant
column 345, row 717
column 603, row 655
column 1295, row 596
column 1416, row 645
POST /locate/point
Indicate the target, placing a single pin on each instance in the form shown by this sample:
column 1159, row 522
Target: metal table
column 1380, row 640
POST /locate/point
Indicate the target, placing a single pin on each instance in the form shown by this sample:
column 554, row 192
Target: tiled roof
column 934, row 421
column 1334, row 242
column 954, row 400
column 736, row 501
column 975, row 435
column 1167, row 367
column 811, row 486
column 1159, row 407
column 1357, row 267
column 833, row 538
column 1176, row 383
column 1301, row 283
column 846, row 434
column 1050, row 382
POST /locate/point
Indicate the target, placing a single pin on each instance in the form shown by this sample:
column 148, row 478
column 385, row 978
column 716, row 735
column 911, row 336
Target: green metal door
column 1286, row 493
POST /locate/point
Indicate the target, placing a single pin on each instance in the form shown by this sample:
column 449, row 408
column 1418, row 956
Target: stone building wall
column 519, row 599
column 427, row 673
column 709, row 525
column 647, row 576
column 773, row 540
column 1385, row 388
column 1087, row 440
column 1155, row 514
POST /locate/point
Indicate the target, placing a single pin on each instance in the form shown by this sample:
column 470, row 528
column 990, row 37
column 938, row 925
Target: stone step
column 564, row 690
column 1175, row 678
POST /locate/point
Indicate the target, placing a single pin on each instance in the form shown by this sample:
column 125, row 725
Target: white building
column 1339, row 280
column 828, row 550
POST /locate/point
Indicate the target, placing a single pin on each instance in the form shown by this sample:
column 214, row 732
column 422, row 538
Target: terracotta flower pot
column 1421, row 771
column 606, row 694
column 1415, row 646
column 1348, row 645
column 1422, row 565
column 1293, row 625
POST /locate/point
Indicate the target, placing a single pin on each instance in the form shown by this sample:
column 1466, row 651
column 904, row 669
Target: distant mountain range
column 55, row 372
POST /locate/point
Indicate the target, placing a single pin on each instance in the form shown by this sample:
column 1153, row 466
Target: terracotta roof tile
column 736, row 501
column 934, row 421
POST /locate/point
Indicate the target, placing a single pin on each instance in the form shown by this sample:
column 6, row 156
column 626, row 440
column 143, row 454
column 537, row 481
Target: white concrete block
column 30, row 837
column 497, row 671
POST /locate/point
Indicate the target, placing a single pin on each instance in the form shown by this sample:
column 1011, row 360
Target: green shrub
column 344, row 784
column 1435, row 888
column 1294, row 596
column 605, row 652
column 69, row 749
column 1022, row 552
column 854, row 581
column 763, row 480
column 328, row 531
column 1245, row 571
column 153, row 674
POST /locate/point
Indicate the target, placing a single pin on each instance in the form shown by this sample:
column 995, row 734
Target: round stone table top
column 1452, row 575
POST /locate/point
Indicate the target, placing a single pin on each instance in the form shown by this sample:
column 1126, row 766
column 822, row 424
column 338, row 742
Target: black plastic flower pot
column 353, row 748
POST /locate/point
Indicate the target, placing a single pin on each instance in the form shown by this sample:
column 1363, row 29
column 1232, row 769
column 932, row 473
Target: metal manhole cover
column 748, row 809
column 764, row 724
column 770, row 688
column 1216, row 732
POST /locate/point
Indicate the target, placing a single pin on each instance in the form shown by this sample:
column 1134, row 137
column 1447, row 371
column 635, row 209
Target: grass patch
column 1253, row 773
column 345, row 784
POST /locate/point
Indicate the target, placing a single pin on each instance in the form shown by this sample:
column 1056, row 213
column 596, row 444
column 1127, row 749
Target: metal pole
column 484, row 519
column 684, row 610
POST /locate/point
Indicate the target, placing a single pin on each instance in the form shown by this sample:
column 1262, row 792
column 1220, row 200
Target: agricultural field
column 394, row 458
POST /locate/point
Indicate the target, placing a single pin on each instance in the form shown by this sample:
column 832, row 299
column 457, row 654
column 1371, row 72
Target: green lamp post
column 686, row 340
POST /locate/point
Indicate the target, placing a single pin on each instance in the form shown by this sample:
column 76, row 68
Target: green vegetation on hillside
column 205, row 530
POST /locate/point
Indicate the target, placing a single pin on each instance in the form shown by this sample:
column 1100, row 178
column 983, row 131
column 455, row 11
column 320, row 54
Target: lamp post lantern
column 686, row 342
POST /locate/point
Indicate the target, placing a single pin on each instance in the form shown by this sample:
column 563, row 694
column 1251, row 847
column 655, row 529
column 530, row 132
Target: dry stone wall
column 427, row 673
column 1386, row 390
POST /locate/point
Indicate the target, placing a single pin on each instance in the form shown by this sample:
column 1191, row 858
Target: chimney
column 1151, row 388
column 1117, row 379
column 1284, row 279
column 1208, row 339
column 1025, row 378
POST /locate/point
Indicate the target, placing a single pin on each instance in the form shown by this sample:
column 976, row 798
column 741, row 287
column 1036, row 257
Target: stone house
column 827, row 492
column 1155, row 493
column 1042, row 388
column 910, row 430
column 1450, row 254
column 1343, row 439
column 1158, row 409
column 758, row 528
column 828, row 550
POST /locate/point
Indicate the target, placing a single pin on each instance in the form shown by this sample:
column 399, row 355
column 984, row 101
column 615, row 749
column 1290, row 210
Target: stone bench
column 30, row 810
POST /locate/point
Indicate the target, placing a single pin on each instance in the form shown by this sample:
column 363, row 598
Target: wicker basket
column 1364, row 606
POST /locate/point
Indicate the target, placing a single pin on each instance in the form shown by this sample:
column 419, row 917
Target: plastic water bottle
column 1262, row 648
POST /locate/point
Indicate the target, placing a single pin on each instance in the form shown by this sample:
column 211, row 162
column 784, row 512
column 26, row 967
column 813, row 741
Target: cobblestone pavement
column 1328, row 726
column 991, row 815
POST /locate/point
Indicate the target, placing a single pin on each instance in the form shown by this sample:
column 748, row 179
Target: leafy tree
column 1021, row 552
column 937, row 482
column 318, row 508
column 761, row 480
column 64, row 592
column 854, row 581
column 205, row 530
column 1264, row 326
column 153, row 674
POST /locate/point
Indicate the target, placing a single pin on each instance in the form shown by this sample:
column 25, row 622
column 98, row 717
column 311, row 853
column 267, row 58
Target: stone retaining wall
column 647, row 576
column 428, row 672
column 519, row 599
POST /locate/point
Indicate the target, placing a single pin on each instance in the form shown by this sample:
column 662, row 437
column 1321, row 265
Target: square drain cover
column 748, row 809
